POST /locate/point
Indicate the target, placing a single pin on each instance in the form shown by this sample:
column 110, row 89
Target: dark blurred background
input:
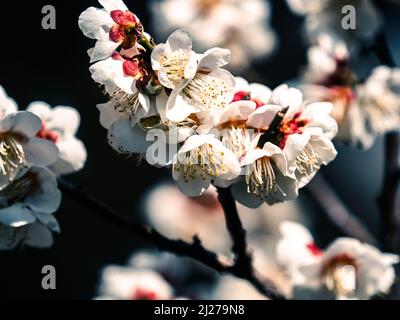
column 52, row 65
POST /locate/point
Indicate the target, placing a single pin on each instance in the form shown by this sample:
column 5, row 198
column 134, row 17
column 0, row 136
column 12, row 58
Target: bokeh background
column 52, row 65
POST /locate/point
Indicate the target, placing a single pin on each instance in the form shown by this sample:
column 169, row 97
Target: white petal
column 111, row 5
column 38, row 236
column 262, row 117
column 180, row 39
column 72, row 156
column 125, row 138
column 103, row 48
column 66, row 119
column 47, row 198
column 23, row 122
column 41, row 109
column 40, row 151
column 214, row 58
column 194, row 187
column 108, row 114
column 92, row 20
column 16, row 215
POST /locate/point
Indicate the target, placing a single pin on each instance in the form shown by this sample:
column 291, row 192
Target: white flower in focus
column 325, row 16
column 347, row 269
column 220, row 23
column 127, row 283
column 27, row 204
column 19, row 146
column 296, row 146
column 203, row 160
column 197, row 81
column 7, row 104
column 59, row 125
column 112, row 27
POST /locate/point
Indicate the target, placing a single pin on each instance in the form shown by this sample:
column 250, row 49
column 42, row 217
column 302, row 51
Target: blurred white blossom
column 347, row 269
column 362, row 109
column 325, row 17
column 240, row 26
column 59, row 125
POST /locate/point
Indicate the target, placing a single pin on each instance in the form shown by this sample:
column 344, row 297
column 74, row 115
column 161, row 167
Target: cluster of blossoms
column 234, row 23
column 211, row 128
column 347, row 269
column 363, row 109
column 36, row 146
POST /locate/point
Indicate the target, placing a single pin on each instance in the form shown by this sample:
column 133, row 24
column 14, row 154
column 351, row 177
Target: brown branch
column 388, row 196
column 194, row 250
column 243, row 263
column 337, row 211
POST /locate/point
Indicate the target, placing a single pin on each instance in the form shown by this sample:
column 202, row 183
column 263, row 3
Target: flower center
column 200, row 162
column 339, row 275
column 12, row 155
column 125, row 102
column 308, row 161
column 50, row 135
column 206, row 91
column 246, row 96
column 295, row 125
column 143, row 294
column 261, row 179
column 18, row 189
column 174, row 66
column 236, row 137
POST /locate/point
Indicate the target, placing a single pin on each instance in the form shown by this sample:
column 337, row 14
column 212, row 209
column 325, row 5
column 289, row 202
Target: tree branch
column 337, row 211
column 388, row 196
column 243, row 263
column 194, row 250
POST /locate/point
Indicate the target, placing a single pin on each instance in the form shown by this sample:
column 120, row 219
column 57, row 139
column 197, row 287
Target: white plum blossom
column 295, row 149
column 224, row 23
column 379, row 100
column 7, row 104
column 197, row 81
column 59, row 125
column 203, row 160
column 20, row 147
column 363, row 110
column 326, row 16
column 27, row 205
column 347, row 269
column 111, row 27
column 127, row 283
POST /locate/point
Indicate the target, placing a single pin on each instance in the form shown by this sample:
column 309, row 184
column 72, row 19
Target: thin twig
column 337, row 211
column 388, row 196
column 194, row 250
column 243, row 264
column 391, row 174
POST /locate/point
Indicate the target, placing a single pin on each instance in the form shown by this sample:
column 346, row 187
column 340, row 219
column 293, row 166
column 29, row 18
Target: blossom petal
column 40, row 151
column 180, row 39
column 214, row 58
column 125, row 138
column 16, row 215
column 92, row 20
column 72, row 156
